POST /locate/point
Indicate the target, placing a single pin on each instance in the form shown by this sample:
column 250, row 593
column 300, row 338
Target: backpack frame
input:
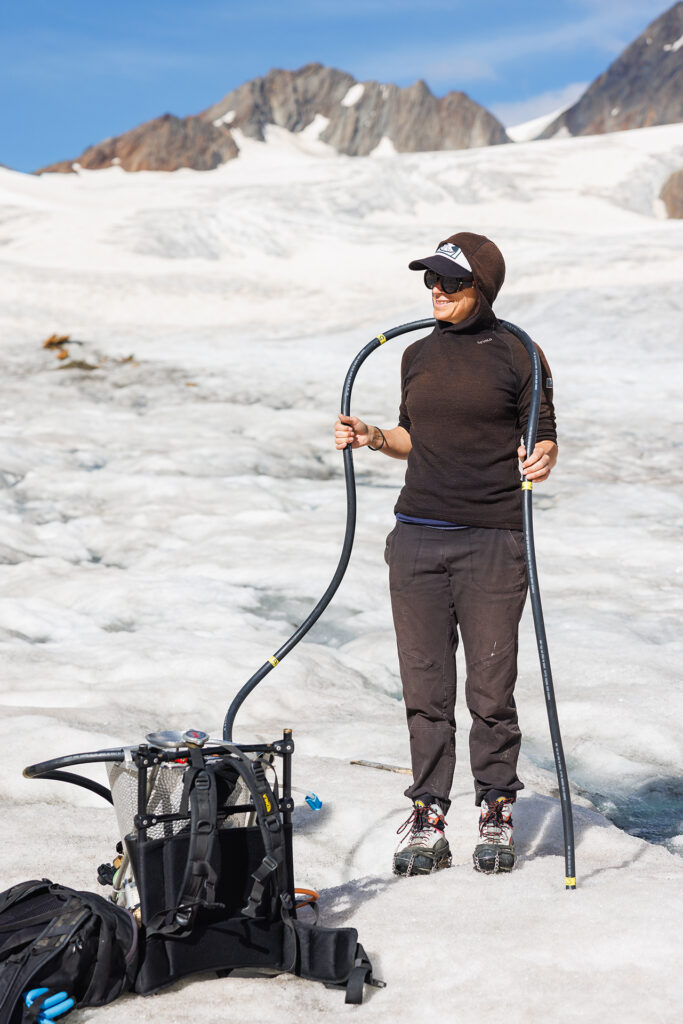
column 207, row 865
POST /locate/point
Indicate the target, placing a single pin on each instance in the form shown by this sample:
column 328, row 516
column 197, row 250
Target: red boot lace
column 419, row 821
column 492, row 824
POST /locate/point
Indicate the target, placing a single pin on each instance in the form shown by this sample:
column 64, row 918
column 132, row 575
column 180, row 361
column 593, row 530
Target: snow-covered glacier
column 172, row 506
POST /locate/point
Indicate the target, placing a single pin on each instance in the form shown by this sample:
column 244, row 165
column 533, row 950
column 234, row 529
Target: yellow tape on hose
column 527, row 485
column 381, row 339
column 273, row 661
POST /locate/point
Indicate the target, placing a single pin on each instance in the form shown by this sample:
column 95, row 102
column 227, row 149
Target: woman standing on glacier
column 456, row 554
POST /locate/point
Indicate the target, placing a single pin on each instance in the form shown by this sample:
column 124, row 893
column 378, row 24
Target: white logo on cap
column 452, row 252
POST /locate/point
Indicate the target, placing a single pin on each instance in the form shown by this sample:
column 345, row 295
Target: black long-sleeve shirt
column 466, row 391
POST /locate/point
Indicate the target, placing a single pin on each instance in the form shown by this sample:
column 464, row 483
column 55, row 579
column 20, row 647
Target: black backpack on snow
column 206, row 865
column 222, row 898
column 56, row 938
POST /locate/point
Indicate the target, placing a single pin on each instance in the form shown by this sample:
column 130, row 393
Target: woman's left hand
column 539, row 464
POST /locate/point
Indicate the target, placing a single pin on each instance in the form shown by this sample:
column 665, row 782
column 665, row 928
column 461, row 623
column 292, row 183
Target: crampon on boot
column 496, row 849
column 424, row 847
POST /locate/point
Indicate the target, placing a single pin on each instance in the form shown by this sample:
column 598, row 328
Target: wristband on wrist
column 379, row 447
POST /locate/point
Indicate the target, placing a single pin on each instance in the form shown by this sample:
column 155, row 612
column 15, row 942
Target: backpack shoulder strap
column 268, row 818
column 198, row 885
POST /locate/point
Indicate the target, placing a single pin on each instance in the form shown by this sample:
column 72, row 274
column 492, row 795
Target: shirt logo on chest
column 483, row 341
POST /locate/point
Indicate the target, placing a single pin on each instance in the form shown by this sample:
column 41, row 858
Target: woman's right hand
column 351, row 430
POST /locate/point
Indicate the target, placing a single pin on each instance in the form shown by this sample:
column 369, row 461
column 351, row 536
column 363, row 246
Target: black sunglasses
column 450, row 285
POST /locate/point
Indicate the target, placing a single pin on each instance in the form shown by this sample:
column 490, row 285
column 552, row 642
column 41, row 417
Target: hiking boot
column 496, row 849
column 424, row 847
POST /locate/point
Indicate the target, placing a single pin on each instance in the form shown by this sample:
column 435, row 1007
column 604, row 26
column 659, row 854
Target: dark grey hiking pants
column 472, row 581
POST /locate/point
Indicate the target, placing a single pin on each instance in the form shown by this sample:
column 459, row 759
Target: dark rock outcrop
column 413, row 120
column 643, row 87
column 672, row 195
column 290, row 99
column 164, row 144
column 359, row 114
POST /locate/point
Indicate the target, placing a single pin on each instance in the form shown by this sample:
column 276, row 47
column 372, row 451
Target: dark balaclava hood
column 488, row 269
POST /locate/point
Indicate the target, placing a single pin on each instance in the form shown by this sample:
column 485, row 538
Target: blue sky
column 73, row 72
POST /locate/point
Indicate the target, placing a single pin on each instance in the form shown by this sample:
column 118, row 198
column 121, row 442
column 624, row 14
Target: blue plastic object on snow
column 310, row 798
column 54, row 1006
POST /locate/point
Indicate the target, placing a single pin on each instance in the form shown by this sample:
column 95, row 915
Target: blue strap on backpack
column 51, row 1007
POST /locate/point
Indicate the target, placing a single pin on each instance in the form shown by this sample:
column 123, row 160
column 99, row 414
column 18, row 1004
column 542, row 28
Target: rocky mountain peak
column 353, row 117
column 289, row 99
column 358, row 114
column 643, row 87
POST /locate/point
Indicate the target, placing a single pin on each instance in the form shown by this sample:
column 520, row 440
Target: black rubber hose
column 80, row 780
column 268, row 666
column 535, row 597
column 34, row 771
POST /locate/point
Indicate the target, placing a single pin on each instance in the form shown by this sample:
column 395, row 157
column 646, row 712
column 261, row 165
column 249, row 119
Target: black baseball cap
column 449, row 260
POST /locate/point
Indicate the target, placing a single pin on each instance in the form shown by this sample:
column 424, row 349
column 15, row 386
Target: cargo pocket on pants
column 497, row 563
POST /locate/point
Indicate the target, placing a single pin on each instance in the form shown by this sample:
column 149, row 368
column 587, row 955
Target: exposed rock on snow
column 672, row 195
column 643, row 87
column 164, row 144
